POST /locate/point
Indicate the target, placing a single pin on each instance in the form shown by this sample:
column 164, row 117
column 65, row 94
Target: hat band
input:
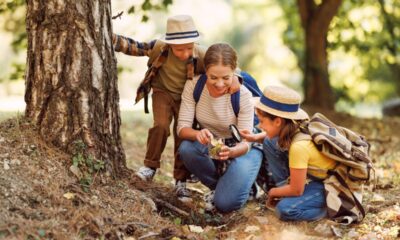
column 279, row 106
column 181, row 35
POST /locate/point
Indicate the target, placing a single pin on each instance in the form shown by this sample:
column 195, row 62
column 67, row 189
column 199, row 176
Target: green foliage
column 86, row 163
column 13, row 14
column 147, row 6
column 10, row 5
column 364, row 34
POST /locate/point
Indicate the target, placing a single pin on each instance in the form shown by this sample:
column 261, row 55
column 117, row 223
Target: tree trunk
column 315, row 22
column 71, row 82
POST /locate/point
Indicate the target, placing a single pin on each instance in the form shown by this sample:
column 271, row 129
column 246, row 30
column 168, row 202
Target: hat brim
column 180, row 41
column 299, row 115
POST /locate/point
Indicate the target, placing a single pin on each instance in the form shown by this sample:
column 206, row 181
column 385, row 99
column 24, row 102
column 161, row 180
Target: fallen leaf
column 69, row 195
column 76, row 171
column 262, row 220
column 196, row 229
column 6, row 165
column 251, row 229
column 377, row 198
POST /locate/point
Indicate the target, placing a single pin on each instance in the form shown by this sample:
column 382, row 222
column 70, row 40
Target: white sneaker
column 193, row 179
column 255, row 192
column 182, row 193
column 209, row 201
column 146, row 173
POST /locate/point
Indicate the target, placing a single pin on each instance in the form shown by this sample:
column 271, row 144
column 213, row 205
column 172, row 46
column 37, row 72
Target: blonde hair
column 220, row 53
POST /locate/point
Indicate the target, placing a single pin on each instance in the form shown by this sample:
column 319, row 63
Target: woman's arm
column 233, row 152
column 203, row 136
column 294, row 188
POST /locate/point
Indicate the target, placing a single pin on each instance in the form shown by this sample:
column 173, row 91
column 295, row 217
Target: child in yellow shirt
column 303, row 196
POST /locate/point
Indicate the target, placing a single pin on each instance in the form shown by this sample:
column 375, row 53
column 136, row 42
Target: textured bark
column 315, row 20
column 71, row 82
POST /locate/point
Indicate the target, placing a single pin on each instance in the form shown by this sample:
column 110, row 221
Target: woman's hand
column 204, row 136
column 224, row 153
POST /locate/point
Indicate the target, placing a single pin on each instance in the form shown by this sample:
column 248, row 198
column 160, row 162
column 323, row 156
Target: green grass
column 4, row 115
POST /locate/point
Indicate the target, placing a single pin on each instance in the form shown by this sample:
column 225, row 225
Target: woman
column 214, row 113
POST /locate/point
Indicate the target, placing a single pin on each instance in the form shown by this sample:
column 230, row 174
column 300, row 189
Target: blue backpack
column 246, row 79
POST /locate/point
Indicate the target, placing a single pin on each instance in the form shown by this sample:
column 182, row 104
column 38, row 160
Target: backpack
column 246, row 79
column 343, row 186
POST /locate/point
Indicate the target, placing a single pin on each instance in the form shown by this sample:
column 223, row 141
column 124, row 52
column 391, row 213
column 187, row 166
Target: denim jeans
column 308, row 207
column 233, row 187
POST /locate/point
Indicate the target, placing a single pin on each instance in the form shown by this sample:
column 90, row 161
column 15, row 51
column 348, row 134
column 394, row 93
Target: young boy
column 173, row 59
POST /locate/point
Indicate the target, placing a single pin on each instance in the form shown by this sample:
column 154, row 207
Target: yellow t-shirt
column 304, row 154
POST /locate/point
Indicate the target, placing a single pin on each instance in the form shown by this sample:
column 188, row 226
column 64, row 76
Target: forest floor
column 40, row 198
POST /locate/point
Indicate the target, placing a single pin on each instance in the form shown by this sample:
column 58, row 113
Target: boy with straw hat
column 173, row 59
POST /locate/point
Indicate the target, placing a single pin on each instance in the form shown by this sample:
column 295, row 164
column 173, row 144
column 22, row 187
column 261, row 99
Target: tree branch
column 118, row 15
column 325, row 13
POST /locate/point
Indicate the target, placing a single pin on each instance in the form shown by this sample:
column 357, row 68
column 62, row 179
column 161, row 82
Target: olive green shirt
column 171, row 76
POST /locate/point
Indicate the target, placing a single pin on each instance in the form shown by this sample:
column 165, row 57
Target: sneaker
column 182, row 193
column 146, row 173
column 209, row 201
column 193, row 179
column 255, row 192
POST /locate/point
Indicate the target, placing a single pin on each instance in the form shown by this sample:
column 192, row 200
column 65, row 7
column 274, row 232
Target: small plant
column 87, row 164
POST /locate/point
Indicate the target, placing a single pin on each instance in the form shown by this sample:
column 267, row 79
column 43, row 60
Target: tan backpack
column 343, row 186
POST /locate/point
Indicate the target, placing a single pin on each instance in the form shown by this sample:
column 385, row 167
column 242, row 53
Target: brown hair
column 220, row 53
column 288, row 130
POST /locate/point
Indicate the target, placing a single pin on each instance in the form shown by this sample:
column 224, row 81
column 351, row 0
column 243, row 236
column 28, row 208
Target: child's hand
column 204, row 136
column 249, row 136
column 271, row 203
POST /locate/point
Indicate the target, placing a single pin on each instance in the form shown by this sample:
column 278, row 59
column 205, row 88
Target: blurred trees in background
column 367, row 30
column 326, row 36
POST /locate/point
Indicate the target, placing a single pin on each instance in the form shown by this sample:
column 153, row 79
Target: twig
column 133, row 223
column 380, row 140
column 118, row 15
column 171, row 207
column 150, row 234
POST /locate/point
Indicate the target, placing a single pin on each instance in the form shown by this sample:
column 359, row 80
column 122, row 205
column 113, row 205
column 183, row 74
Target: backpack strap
column 235, row 101
column 198, row 88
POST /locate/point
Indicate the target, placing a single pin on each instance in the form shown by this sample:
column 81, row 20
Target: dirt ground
column 40, row 198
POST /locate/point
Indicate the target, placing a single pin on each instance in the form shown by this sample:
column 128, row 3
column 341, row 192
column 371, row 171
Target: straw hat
column 180, row 30
column 282, row 102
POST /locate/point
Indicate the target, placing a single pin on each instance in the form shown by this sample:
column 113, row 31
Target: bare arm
column 294, row 188
column 250, row 137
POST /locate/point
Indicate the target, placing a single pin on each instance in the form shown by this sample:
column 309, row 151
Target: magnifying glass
column 235, row 133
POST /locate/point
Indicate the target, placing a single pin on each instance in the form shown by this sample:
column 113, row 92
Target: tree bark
column 71, row 81
column 315, row 21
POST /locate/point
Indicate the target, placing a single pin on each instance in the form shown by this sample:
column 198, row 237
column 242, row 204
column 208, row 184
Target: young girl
column 300, row 189
column 214, row 113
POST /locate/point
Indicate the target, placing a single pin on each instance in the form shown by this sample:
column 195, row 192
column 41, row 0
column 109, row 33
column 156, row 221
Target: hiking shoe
column 182, row 193
column 255, row 192
column 209, row 201
column 193, row 179
column 146, row 173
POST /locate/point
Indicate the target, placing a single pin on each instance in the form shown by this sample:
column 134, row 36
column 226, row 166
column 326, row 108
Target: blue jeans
column 308, row 207
column 233, row 187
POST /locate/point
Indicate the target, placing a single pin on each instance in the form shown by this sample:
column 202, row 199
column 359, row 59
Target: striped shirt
column 215, row 114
